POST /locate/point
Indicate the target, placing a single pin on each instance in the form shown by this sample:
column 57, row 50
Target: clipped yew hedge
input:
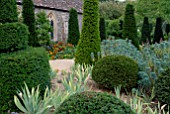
column 90, row 36
column 93, row 103
column 30, row 66
column 13, row 37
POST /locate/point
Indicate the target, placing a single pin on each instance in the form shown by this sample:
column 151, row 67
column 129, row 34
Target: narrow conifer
column 129, row 27
column 145, row 38
column 73, row 28
column 102, row 29
column 158, row 34
column 90, row 37
column 29, row 20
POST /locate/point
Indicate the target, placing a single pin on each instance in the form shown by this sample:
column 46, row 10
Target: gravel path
column 61, row 64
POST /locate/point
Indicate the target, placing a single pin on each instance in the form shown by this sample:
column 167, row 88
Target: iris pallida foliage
column 90, row 37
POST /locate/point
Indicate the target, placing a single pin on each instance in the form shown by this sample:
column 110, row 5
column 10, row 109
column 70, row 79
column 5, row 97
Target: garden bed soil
column 63, row 66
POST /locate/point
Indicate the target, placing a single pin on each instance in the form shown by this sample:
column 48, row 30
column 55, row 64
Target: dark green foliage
column 90, row 40
column 102, row 29
column 112, row 71
column 145, row 38
column 43, row 28
column 121, row 28
column 113, row 28
column 167, row 30
column 13, row 37
column 162, row 86
column 73, row 28
column 158, row 34
column 111, row 9
column 105, row 0
column 29, row 20
column 93, row 103
column 129, row 27
column 8, row 11
column 30, row 65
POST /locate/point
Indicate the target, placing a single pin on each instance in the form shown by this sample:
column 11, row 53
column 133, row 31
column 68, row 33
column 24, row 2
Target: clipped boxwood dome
column 93, row 103
column 162, row 86
column 112, row 71
column 13, row 37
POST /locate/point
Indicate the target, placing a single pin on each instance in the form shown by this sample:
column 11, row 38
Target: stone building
column 58, row 14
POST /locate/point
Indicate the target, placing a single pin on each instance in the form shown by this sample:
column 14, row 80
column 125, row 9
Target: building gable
column 64, row 5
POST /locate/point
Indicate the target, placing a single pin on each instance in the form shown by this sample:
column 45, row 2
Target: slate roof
column 59, row 4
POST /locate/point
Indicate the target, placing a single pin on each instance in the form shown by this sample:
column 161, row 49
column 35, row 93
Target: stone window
column 52, row 25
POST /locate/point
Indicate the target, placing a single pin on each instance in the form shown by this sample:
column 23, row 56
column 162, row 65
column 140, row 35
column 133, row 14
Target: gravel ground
column 61, row 64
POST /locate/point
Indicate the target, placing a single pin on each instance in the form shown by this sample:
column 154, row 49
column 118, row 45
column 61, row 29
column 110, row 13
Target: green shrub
column 93, row 103
column 102, row 29
column 43, row 28
column 162, row 86
column 112, row 71
column 73, row 28
column 90, row 37
column 8, row 11
column 110, row 9
column 29, row 20
column 30, row 65
column 158, row 33
column 113, row 28
column 145, row 32
column 129, row 26
column 13, row 36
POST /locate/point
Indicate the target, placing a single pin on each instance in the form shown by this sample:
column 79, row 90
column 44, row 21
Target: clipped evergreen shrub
column 90, row 37
column 13, row 37
column 145, row 38
column 73, row 27
column 129, row 26
column 112, row 71
column 102, row 29
column 43, row 28
column 30, row 66
column 158, row 33
column 93, row 103
column 8, row 11
column 162, row 86
column 29, row 20
column 167, row 29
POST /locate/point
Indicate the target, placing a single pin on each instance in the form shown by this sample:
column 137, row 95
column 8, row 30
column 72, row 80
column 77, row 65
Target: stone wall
column 60, row 23
column 60, row 20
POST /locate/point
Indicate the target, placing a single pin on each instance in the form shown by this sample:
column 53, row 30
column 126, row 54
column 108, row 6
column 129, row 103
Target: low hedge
column 30, row 66
column 115, row 70
column 13, row 37
column 93, row 103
